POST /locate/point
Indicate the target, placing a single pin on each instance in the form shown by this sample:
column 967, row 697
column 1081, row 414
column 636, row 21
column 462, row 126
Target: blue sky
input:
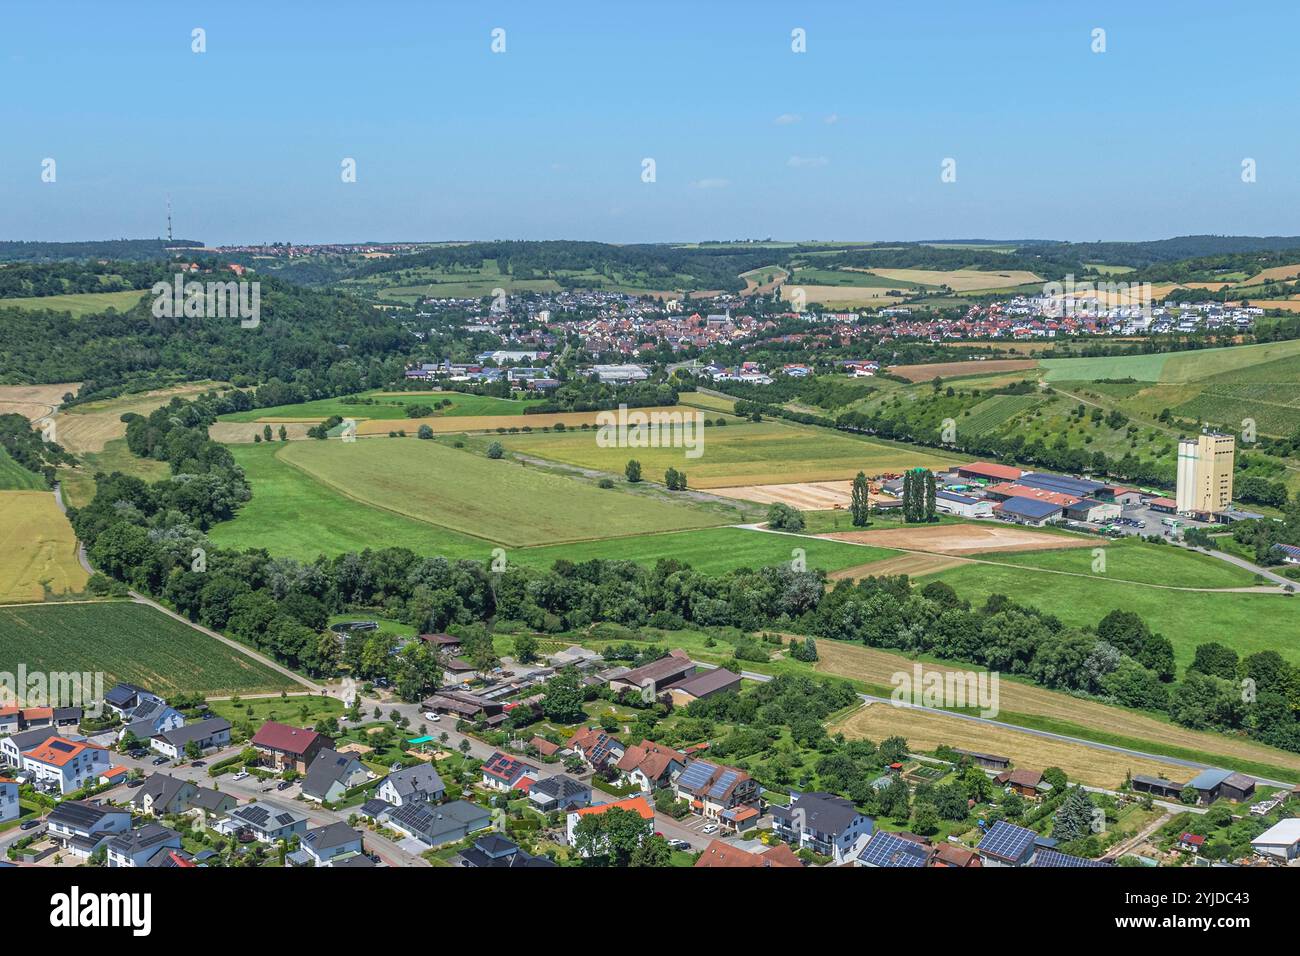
column 546, row 140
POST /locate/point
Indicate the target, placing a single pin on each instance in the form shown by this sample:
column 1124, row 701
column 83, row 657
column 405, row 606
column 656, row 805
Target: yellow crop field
column 39, row 547
column 960, row 280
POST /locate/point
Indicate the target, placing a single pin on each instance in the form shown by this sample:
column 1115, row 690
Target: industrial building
column 1205, row 473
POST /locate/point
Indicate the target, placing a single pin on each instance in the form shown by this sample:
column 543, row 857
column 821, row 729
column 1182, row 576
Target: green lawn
column 1127, row 560
column 128, row 642
column 712, row 550
column 302, row 711
column 1245, row 622
column 79, row 483
column 1190, row 366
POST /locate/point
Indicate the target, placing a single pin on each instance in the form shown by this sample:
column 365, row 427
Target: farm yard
column 128, row 642
column 40, row 552
column 747, row 453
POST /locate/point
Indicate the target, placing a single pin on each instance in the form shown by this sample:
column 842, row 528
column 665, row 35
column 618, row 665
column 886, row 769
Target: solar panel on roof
column 887, row 850
column 1006, row 840
column 696, row 775
column 727, row 778
column 1051, row 858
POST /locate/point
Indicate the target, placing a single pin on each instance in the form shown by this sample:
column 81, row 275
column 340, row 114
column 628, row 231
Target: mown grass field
column 712, row 550
column 1172, row 367
column 79, row 303
column 293, row 515
column 738, row 454
column 497, row 502
column 386, row 406
column 14, row 477
column 1245, row 622
column 79, row 483
column 40, row 550
column 128, row 642
column 1128, row 560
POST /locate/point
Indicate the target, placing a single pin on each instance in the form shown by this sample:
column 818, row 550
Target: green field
column 79, row 483
column 1129, row 560
column 382, row 405
column 79, row 303
column 128, row 642
column 739, row 454
column 1172, row 367
column 460, row 496
column 1245, row 622
column 994, row 412
column 293, row 515
column 712, row 551
column 14, row 477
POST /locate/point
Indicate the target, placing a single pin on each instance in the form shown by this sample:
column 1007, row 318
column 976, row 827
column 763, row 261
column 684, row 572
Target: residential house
column 162, row 794
column 210, row 802
column 1056, row 859
column 123, row 699
column 80, row 826
column 266, row 821
column 66, row 764
column 325, row 844
column 504, row 772
column 1005, row 844
column 463, row 705
column 418, row 784
column 9, row 806
column 13, row 746
column 152, row 716
column 650, row 765
column 436, row 825
column 331, row 775
column 559, row 793
column 953, row 856
column 210, row 734
column 288, row 748
column 637, row 805
column 137, row 848
column 496, row 852
column 713, row 789
column 596, row 748
column 824, row 823
column 719, row 854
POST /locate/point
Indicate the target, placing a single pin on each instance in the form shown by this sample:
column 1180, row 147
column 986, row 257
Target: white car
column 241, row 775
column 709, row 828
column 433, row 717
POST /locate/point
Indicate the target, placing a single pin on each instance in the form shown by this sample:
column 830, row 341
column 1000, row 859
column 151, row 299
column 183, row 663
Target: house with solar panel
column 596, row 748
column 65, row 765
column 1057, row 859
column 887, row 850
column 1005, row 844
column 266, row 821
column 824, row 823
column 503, row 772
column 717, row 792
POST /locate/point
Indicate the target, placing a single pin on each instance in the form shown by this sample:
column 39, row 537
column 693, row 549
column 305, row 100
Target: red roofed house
column 631, row 804
column 68, row 763
column 595, row 747
column 650, row 765
column 1191, row 842
column 288, row 748
column 722, row 854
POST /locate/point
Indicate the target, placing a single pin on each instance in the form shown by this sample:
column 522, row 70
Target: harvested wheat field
column 89, row 427
column 34, row 401
column 236, row 433
column 842, row 294
column 877, row 667
column 804, row 495
column 447, row 424
column 960, row 280
column 1275, row 274
column 926, row 372
column 913, row 565
column 963, row 538
column 926, row 730
column 40, row 551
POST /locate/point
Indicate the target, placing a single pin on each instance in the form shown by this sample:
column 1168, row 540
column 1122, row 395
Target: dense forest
column 125, row 249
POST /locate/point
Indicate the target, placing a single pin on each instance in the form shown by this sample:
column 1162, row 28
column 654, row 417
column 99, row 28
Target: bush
column 495, row 451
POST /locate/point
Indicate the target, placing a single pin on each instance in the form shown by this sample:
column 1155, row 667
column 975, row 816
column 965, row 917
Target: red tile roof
column 635, row 804
column 292, row 740
column 1001, row 472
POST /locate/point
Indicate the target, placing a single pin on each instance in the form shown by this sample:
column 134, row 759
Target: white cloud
column 806, row 162
column 832, row 119
column 785, row 119
column 711, row 183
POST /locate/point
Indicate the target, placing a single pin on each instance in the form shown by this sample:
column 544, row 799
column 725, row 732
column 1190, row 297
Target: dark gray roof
column 421, row 778
column 329, row 767
column 1029, row 507
column 208, row 798
column 265, row 815
column 149, row 835
column 329, row 836
column 823, row 812
column 81, row 815
column 560, row 787
column 34, row 738
column 196, row 731
column 161, row 787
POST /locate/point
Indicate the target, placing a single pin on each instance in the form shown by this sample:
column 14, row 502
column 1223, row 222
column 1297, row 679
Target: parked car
column 284, row 785
column 199, row 763
column 28, row 824
column 432, row 717
column 709, row 828
column 241, row 775
column 136, row 752
column 679, row 844
column 159, row 761
column 137, row 782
